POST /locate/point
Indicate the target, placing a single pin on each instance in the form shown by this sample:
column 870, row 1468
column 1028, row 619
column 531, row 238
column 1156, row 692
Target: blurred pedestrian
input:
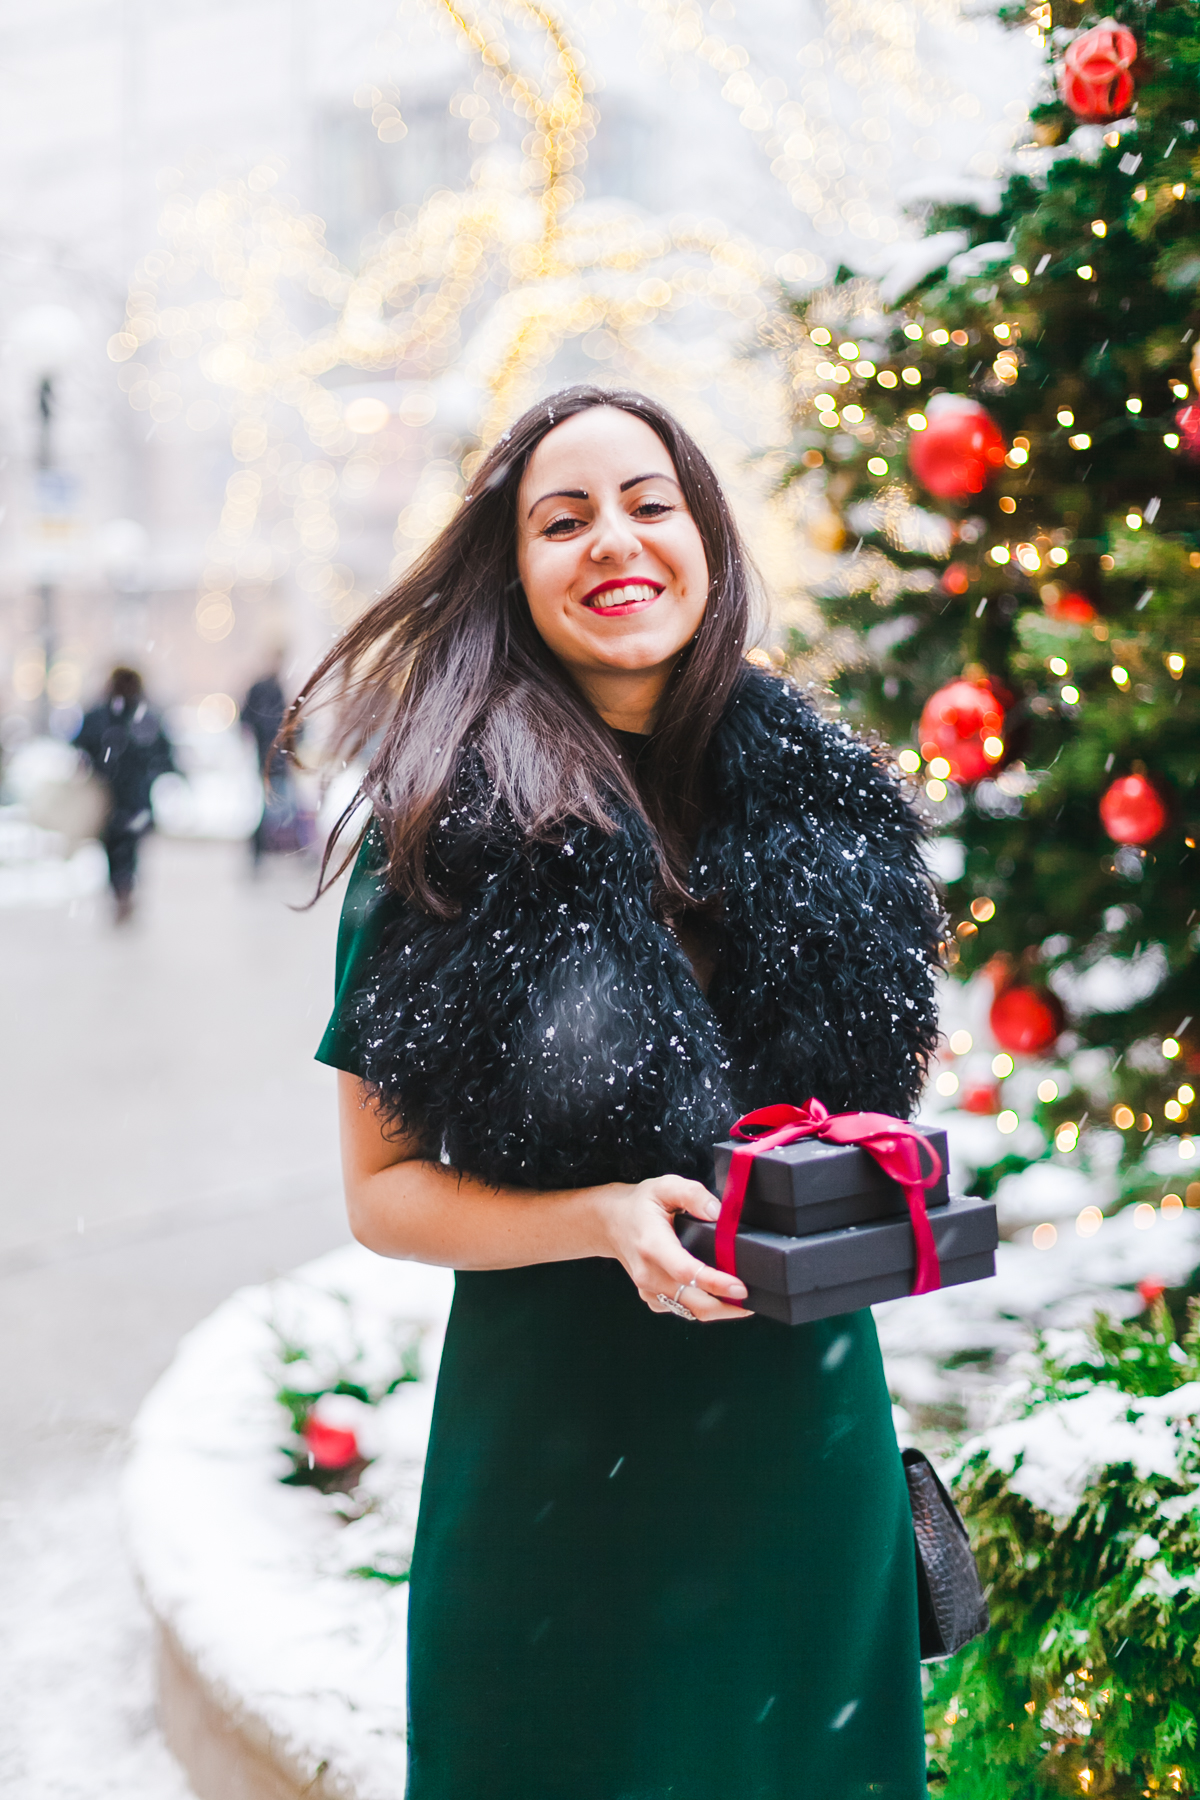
column 124, row 740
column 281, row 826
column 262, row 715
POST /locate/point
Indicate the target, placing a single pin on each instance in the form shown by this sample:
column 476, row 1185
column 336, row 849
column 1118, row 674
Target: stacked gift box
column 824, row 1231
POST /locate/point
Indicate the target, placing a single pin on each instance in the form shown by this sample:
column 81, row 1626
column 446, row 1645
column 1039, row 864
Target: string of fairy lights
column 486, row 285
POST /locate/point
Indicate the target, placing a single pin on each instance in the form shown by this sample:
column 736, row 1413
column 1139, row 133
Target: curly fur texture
column 553, row 1034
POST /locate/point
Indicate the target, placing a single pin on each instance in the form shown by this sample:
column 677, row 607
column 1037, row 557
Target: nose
column 614, row 540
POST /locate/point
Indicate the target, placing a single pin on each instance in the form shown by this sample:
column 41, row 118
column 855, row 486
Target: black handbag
column 951, row 1608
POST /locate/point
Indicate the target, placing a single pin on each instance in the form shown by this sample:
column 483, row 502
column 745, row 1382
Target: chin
column 640, row 642
column 637, row 658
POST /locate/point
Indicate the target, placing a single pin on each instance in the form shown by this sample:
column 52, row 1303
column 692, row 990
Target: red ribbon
column 895, row 1146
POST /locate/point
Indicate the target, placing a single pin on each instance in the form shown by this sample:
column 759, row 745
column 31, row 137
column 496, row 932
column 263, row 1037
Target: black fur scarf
column 553, row 1035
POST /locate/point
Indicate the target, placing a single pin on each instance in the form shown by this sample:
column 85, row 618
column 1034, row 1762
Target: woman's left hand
column 639, row 1223
column 402, row 1204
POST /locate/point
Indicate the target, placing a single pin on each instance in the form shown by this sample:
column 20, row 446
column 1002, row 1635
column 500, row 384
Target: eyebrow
column 582, row 494
column 653, row 476
column 557, row 494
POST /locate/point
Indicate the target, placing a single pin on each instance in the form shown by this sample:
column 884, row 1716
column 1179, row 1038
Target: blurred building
column 132, row 525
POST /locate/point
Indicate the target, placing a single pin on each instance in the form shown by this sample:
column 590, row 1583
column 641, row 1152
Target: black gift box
column 815, row 1186
column 798, row 1279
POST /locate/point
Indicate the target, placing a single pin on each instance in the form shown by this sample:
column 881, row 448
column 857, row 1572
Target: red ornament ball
column 1132, row 810
column 955, row 724
column 981, row 1097
column 329, row 1447
column 1094, row 78
column 1071, row 609
column 1025, row 1020
column 959, row 450
column 1152, row 1288
column 1188, row 421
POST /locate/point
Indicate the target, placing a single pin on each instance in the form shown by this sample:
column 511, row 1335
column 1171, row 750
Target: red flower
column 329, row 1447
column 1094, row 78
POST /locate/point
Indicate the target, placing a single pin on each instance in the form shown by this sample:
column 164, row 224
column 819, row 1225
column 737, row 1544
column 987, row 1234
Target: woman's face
column 610, row 559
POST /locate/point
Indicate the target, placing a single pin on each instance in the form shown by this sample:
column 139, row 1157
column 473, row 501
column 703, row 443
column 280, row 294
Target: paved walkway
column 166, row 1138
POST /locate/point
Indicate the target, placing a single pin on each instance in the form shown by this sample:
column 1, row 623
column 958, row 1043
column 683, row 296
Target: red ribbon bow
column 895, row 1146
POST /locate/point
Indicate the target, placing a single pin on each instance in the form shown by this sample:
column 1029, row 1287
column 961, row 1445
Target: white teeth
column 624, row 596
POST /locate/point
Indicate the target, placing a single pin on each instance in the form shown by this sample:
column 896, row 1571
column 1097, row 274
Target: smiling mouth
column 622, row 596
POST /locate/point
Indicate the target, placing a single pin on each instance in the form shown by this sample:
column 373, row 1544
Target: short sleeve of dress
column 370, row 904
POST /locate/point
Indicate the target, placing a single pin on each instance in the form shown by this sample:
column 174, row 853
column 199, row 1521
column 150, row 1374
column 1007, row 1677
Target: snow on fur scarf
column 553, row 1034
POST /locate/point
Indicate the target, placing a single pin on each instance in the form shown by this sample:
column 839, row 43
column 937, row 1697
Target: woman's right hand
column 637, row 1222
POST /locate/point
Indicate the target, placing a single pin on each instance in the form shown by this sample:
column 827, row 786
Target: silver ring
column 673, row 1306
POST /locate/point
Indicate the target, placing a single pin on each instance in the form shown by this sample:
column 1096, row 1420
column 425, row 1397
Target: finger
column 703, row 1308
column 714, row 1281
column 718, row 1285
column 680, row 1195
column 684, row 1270
column 708, row 1307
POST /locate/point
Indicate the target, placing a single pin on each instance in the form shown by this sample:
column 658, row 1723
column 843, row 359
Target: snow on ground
column 46, row 876
column 77, row 1719
column 260, row 1582
column 43, row 868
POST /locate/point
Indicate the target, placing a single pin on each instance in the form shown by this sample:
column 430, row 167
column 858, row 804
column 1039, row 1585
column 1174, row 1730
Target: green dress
column 654, row 1560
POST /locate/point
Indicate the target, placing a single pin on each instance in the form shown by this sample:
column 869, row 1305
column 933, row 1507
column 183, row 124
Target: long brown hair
column 450, row 658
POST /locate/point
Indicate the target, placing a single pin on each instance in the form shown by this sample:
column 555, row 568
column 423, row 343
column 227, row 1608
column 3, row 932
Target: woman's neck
column 627, row 700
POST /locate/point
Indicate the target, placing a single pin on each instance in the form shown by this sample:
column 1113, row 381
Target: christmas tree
column 1007, row 456
column 1011, row 458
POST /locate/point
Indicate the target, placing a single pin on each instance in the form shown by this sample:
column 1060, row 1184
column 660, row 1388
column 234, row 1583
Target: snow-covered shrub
column 1084, row 1506
column 337, row 1371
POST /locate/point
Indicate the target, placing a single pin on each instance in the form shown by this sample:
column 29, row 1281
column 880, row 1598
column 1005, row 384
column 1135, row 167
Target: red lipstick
column 643, row 594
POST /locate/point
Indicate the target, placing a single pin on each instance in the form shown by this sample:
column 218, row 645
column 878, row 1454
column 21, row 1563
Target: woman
column 618, row 888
